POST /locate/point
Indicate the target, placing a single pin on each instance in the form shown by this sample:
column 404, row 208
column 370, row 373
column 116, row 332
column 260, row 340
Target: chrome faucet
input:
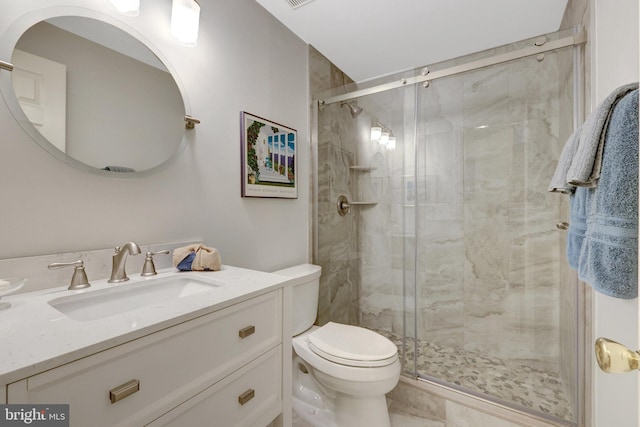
column 118, row 272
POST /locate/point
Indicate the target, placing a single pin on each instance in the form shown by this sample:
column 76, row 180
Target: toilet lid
column 352, row 345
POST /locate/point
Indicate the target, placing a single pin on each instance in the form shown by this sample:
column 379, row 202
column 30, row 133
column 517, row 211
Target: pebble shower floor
column 534, row 389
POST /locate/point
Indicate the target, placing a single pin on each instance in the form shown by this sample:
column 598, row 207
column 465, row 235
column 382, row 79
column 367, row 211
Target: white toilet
column 341, row 373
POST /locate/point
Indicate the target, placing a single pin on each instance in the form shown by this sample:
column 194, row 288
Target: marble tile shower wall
column 337, row 236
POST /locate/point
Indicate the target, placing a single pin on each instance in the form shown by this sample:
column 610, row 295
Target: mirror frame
column 8, row 42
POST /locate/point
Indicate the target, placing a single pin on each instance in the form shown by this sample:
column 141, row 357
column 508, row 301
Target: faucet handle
column 79, row 279
column 149, row 268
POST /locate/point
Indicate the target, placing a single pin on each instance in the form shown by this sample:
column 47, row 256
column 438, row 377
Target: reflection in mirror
column 98, row 94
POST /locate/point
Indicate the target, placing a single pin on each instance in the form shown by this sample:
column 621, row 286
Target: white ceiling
column 372, row 38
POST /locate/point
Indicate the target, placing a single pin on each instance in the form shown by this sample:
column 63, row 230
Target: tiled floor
column 397, row 420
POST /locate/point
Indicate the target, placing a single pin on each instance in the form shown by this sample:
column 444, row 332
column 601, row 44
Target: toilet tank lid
column 309, row 271
column 352, row 343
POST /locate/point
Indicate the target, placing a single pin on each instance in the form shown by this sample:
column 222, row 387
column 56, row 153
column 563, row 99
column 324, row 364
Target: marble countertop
column 35, row 337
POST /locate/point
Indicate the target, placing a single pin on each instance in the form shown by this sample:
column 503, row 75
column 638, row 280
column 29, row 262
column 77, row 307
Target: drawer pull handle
column 245, row 332
column 124, row 390
column 246, row 396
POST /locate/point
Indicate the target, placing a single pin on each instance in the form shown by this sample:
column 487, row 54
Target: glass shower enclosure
column 434, row 226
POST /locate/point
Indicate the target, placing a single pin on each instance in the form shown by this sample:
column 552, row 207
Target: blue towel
column 606, row 217
column 187, row 262
column 577, row 225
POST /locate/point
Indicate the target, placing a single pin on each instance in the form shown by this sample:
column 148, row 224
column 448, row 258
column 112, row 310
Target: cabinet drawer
column 249, row 397
column 171, row 366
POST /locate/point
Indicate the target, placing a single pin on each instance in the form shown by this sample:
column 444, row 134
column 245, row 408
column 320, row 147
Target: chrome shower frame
column 579, row 38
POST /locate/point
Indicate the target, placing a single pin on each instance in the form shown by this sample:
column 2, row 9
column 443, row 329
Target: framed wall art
column 269, row 165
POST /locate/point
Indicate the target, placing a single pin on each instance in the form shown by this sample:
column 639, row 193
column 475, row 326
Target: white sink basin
column 130, row 296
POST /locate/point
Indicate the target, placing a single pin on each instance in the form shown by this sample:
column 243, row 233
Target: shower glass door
column 496, row 306
column 450, row 246
column 368, row 254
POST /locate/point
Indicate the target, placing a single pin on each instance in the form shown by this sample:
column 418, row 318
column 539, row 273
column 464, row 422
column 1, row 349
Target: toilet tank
column 305, row 295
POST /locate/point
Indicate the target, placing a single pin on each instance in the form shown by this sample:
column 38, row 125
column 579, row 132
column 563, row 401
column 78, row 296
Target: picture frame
column 269, row 158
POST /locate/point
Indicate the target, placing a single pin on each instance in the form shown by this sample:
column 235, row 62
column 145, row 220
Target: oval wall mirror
column 95, row 97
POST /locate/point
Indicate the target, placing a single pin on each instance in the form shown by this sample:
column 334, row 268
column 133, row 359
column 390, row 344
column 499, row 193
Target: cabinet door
column 250, row 397
column 170, row 366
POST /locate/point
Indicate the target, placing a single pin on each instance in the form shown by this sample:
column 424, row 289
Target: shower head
column 355, row 111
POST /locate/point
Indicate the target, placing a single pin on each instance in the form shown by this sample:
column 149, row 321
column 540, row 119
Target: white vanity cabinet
column 221, row 369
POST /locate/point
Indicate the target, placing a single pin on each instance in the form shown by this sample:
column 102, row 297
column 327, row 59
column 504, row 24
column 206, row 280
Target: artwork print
column 269, row 164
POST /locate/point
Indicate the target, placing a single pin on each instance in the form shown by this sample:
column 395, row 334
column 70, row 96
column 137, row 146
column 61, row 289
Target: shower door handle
column 615, row 358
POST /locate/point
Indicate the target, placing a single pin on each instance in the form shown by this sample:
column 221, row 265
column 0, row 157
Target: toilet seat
column 352, row 346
